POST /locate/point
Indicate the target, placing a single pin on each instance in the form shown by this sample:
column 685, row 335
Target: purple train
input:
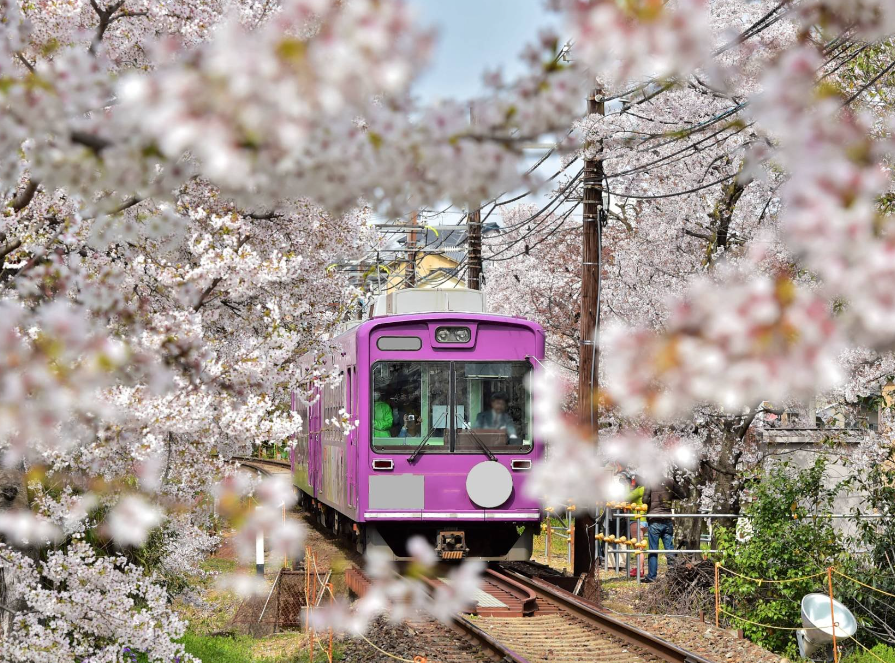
column 444, row 436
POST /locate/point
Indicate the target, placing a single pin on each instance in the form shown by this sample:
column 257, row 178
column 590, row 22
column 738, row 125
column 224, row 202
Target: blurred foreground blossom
column 582, row 470
column 245, row 585
column 130, row 521
column 283, row 535
column 23, row 528
column 661, row 39
column 398, row 597
column 740, row 339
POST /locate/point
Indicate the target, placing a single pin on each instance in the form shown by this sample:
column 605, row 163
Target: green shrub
column 789, row 541
column 887, row 654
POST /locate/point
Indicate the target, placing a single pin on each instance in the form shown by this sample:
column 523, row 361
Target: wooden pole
column 832, row 614
column 549, row 544
column 588, row 357
column 329, row 654
column 410, row 272
column 717, row 595
column 474, row 240
column 474, row 250
column 308, row 603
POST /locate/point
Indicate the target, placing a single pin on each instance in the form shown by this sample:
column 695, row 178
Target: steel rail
column 358, row 582
column 485, row 641
column 641, row 639
column 268, row 461
column 253, row 465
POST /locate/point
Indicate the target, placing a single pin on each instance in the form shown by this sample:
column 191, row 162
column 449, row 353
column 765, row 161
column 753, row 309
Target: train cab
column 443, row 442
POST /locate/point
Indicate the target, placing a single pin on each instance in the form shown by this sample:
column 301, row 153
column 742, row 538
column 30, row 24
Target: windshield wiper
column 422, row 444
column 484, row 446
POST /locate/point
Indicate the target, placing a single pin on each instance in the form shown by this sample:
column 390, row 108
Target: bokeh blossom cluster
column 419, row 591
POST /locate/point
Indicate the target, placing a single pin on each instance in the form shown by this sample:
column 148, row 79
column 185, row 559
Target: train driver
column 497, row 418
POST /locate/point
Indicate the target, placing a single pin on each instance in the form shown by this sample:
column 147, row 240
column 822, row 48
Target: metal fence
column 619, row 555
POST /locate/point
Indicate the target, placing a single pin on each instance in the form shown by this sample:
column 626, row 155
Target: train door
column 315, row 457
column 351, row 438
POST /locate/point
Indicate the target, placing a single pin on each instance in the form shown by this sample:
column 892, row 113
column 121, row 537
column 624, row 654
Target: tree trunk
column 13, row 495
column 720, row 469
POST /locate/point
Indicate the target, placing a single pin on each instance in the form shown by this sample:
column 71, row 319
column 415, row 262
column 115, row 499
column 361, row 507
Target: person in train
column 411, row 425
column 498, row 418
column 382, row 417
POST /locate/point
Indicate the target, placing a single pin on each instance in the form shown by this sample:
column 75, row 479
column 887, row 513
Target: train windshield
column 414, row 404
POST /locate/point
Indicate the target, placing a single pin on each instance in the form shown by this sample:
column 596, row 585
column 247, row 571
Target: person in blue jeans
column 660, row 526
column 659, row 529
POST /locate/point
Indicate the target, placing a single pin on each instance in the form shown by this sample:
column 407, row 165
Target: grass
column 558, row 546
column 882, row 652
column 222, row 605
column 280, row 648
column 219, row 565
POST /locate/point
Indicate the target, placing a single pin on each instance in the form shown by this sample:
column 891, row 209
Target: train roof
column 414, row 304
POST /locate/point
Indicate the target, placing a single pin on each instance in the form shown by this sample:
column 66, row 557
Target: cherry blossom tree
column 710, row 304
column 180, row 178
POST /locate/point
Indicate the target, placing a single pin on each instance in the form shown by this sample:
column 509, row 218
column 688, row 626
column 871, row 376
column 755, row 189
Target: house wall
column 802, row 449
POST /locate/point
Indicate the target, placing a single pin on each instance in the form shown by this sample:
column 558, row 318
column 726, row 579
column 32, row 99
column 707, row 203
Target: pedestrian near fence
column 637, row 526
column 660, row 526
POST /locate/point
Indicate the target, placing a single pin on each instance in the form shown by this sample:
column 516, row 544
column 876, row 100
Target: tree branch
column 96, row 143
column 25, row 196
column 203, row 299
column 105, row 19
column 128, row 14
column 205, row 293
column 263, row 216
column 24, row 61
column 9, row 248
column 708, row 464
column 127, row 204
column 693, row 233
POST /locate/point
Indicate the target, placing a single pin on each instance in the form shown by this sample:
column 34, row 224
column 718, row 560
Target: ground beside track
column 208, row 609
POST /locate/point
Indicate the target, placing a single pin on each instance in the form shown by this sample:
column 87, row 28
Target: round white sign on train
column 489, row 484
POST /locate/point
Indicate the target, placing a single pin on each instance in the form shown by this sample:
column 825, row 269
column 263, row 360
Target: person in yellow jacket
column 638, row 526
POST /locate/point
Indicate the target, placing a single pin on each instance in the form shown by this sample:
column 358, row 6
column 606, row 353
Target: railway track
column 567, row 628
column 264, row 466
column 520, row 619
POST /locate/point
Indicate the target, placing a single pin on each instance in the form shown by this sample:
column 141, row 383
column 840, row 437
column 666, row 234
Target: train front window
column 493, row 406
column 411, row 402
column 412, row 406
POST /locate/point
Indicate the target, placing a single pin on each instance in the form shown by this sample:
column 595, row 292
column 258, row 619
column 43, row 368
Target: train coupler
column 451, row 544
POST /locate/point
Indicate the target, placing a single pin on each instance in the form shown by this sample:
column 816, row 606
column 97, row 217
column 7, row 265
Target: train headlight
column 453, row 335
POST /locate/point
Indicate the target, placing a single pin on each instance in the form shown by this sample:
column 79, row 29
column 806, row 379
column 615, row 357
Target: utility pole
column 474, row 249
column 410, row 270
column 474, row 239
column 588, row 364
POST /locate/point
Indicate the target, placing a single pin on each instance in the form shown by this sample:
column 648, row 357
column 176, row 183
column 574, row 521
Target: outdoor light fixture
column 821, row 616
column 453, row 335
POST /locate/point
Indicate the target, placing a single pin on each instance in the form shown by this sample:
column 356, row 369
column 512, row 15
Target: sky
column 475, row 35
